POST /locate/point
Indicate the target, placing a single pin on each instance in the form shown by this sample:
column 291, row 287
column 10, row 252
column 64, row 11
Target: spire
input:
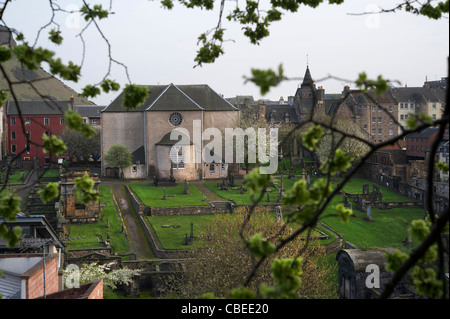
column 307, row 79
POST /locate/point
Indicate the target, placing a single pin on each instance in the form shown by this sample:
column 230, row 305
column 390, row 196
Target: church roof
column 177, row 98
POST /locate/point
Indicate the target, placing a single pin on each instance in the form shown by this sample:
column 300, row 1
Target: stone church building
column 146, row 132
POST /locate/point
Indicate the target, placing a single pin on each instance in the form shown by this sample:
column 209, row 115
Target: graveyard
column 380, row 216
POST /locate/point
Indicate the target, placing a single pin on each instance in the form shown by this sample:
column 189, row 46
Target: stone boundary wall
column 138, row 206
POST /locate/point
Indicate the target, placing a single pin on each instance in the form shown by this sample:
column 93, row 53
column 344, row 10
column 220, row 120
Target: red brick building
column 418, row 143
column 34, row 119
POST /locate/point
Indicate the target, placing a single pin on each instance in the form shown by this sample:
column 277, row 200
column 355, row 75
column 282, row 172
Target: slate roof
column 91, row 111
column 38, row 107
column 426, row 133
column 279, row 112
column 138, row 155
column 177, row 98
column 418, row 94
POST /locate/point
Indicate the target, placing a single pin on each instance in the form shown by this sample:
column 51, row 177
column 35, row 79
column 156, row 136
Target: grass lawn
column 245, row 199
column 173, row 237
column 90, row 232
column 152, row 196
column 14, row 178
column 388, row 229
column 51, row 173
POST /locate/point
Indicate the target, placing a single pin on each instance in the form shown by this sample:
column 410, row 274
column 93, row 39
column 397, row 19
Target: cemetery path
column 136, row 234
column 210, row 195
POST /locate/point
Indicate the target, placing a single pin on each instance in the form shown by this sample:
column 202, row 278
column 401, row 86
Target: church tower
column 306, row 95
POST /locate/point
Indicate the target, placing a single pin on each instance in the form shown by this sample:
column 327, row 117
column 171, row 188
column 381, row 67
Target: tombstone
column 164, row 193
column 192, row 232
column 369, row 214
column 241, row 190
column 279, row 214
column 107, row 223
column 291, row 173
column 308, row 179
column 344, row 197
column 186, row 240
column 279, row 194
column 186, row 187
column 365, row 189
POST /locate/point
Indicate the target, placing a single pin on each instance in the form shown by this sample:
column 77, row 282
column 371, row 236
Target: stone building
column 145, row 131
column 414, row 100
column 71, row 205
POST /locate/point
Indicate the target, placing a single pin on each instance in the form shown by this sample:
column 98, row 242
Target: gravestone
column 369, row 214
column 365, row 189
column 291, row 173
column 164, row 193
column 279, row 214
column 191, row 237
column 186, row 187
column 279, row 195
column 107, row 223
column 308, row 179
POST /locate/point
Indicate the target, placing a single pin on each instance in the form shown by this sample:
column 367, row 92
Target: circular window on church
column 175, row 119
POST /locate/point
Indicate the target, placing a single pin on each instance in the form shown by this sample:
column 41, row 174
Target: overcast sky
column 159, row 46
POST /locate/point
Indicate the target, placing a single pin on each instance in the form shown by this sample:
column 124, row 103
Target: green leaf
column 86, row 185
column 419, row 229
column 260, row 247
column 134, row 95
column 395, row 260
column 255, row 182
column 5, row 53
column 55, row 36
column 53, row 144
column 266, row 79
column 312, row 137
column 50, row 191
column 343, row 212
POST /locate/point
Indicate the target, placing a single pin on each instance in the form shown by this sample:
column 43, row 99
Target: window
column 13, row 148
column 380, row 131
column 391, row 131
column 401, row 117
column 134, row 169
column 27, row 135
column 61, row 120
column 374, row 119
column 95, row 121
column 391, row 108
column 374, row 131
column 411, row 106
column 379, row 120
column 177, row 157
column 406, row 116
column 27, row 121
column 379, row 109
column 365, row 126
column 47, row 160
column 401, row 105
column 374, row 108
column 47, row 133
column 434, row 105
column 434, row 117
column 418, row 105
column 28, row 148
column 211, row 167
column 417, row 148
column 46, row 121
column 13, row 135
column 391, row 120
column 407, row 147
column 13, row 121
